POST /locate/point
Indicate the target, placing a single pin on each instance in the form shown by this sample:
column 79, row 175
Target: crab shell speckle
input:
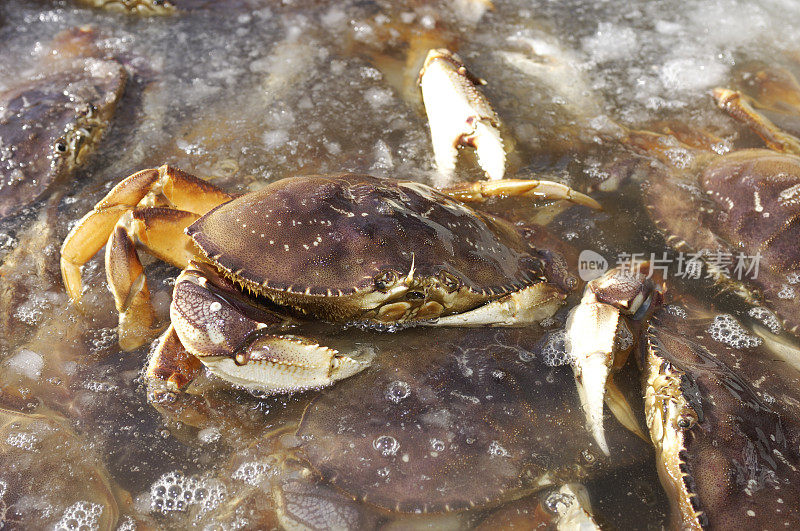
column 339, row 247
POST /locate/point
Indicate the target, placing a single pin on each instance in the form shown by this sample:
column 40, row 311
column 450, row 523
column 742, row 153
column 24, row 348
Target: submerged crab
column 462, row 424
column 742, row 203
column 343, row 248
column 721, row 408
column 51, row 121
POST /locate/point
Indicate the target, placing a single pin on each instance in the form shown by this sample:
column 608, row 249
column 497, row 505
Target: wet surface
column 246, row 92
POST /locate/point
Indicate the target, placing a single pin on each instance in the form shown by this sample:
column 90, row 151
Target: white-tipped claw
column 459, row 115
column 490, row 150
column 590, row 335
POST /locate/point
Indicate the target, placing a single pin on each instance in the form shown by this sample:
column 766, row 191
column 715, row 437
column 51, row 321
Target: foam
column 726, row 329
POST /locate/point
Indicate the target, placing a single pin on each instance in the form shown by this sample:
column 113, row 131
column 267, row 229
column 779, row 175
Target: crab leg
column 547, row 190
column 161, row 231
column 459, row 114
column 592, row 332
column 740, row 107
column 165, row 185
column 172, row 363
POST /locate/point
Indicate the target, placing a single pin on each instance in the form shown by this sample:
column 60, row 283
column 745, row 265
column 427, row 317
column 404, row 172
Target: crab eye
column 385, row 280
column 687, row 420
column 450, row 281
column 61, row 146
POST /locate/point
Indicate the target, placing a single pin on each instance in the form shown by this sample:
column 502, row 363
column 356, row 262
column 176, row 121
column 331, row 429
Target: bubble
column 554, row 350
column 767, row 318
column 23, row 441
column 557, row 502
column 383, row 472
column 100, row 387
column 386, row 445
column 727, row 330
column 254, row 472
column 526, row 356
column 82, row 515
column 397, row 391
column 677, row 311
column 786, row 292
column 209, row 435
column 437, row 445
column 624, row 337
column 496, row 450
column 174, row 492
column 127, row 524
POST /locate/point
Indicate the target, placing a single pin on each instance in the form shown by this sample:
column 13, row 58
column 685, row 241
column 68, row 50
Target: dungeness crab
column 720, row 407
column 745, row 203
column 51, row 121
column 345, row 248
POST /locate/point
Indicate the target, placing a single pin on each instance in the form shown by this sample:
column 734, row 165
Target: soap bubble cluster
column 81, row 516
column 176, row 492
column 726, row 329
column 23, row 441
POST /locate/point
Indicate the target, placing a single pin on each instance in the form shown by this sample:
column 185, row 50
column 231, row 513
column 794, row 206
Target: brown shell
column 739, row 461
column 453, row 420
column 747, row 202
column 331, row 235
column 38, row 117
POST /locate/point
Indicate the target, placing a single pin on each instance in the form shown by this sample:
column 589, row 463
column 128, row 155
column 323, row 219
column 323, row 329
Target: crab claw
column 459, row 114
column 593, row 342
column 245, row 345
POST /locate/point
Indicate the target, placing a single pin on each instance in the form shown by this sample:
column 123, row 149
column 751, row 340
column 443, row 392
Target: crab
column 745, row 203
column 137, row 7
column 51, row 121
column 464, row 426
column 721, row 409
column 345, row 248
column 40, row 456
column 459, row 114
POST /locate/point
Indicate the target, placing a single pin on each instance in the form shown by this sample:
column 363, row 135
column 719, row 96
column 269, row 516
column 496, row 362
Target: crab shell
column 49, row 125
column 723, row 418
column 354, row 247
column 750, row 198
column 472, row 419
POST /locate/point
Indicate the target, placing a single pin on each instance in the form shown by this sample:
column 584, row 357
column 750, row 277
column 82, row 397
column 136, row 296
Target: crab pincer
column 459, row 114
column 611, row 307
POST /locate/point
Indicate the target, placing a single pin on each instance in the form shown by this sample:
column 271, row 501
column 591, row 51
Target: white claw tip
column 591, row 376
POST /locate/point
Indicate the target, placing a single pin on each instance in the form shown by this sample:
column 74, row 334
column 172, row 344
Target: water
column 246, row 92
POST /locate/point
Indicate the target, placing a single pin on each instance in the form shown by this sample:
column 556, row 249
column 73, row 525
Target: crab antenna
column 410, row 276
